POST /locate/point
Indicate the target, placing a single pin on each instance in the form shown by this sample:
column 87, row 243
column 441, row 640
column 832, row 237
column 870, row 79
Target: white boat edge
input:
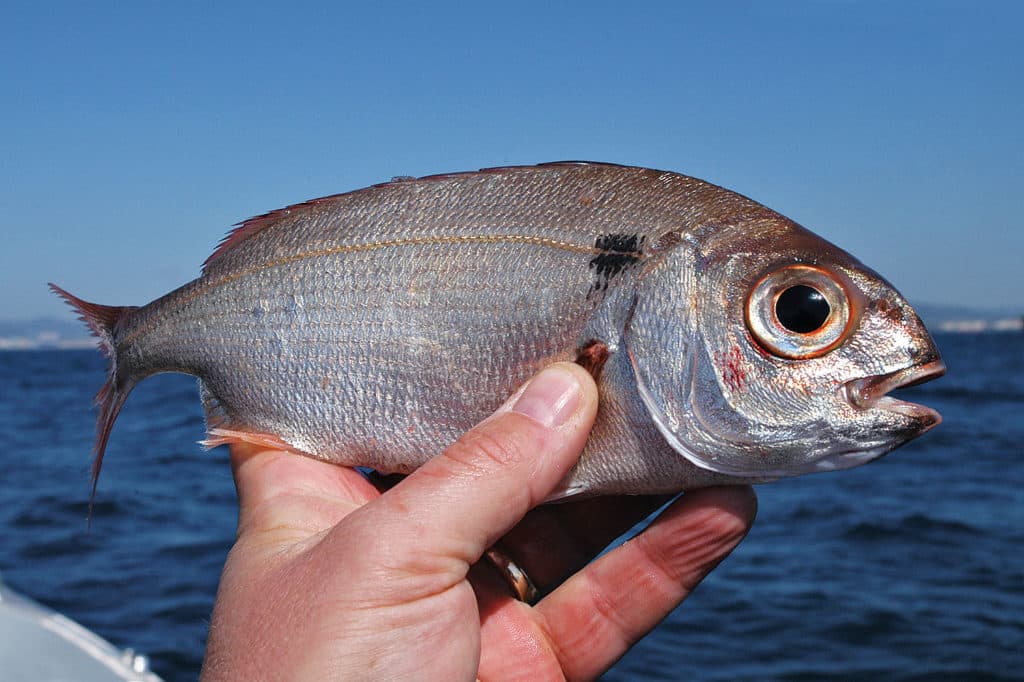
column 39, row 644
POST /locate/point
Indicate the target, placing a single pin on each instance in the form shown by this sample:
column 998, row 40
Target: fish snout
column 872, row 392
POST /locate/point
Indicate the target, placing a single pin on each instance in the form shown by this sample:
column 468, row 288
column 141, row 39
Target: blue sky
column 132, row 137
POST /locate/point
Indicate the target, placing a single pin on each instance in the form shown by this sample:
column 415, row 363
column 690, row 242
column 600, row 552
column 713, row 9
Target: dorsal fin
column 251, row 226
column 247, row 228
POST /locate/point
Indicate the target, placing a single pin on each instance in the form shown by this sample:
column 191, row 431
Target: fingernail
column 550, row 398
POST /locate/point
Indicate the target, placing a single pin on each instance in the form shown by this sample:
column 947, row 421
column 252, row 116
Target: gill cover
column 679, row 383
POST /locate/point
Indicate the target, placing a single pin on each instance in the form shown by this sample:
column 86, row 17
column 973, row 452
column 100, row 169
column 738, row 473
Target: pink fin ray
column 245, row 229
column 99, row 318
column 102, row 320
column 220, row 436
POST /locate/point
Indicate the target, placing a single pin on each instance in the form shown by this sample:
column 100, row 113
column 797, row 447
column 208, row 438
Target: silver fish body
column 373, row 328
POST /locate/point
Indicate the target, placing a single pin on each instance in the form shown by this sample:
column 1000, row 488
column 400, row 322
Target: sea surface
column 910, row 568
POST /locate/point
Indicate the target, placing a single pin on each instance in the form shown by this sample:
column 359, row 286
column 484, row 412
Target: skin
column 330, row 578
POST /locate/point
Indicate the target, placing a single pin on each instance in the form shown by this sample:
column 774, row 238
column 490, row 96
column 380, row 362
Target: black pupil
column 802, row 309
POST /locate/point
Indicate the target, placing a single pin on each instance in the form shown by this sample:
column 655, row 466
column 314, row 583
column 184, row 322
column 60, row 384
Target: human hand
column 331, row 579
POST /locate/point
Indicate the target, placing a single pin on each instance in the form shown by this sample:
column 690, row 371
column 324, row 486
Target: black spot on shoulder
column 620, row 243
column 618, row 252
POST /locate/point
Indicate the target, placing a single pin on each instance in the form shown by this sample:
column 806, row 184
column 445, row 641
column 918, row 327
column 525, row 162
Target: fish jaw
column 872, row 392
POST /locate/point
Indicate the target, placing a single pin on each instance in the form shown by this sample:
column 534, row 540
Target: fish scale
column 373, row 328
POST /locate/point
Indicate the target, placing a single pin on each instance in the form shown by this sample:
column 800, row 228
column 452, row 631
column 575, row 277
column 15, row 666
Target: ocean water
column 911, row 568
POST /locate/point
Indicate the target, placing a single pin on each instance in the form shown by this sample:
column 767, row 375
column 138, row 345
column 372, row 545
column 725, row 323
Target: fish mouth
column 871, row 392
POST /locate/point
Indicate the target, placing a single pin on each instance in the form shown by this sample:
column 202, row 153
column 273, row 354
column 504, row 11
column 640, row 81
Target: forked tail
column 102, row 321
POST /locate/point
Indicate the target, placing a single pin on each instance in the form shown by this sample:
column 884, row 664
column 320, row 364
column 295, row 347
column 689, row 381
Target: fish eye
column 801, row 311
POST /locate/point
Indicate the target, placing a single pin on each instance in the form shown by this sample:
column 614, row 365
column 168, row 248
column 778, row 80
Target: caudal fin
column 102, row 321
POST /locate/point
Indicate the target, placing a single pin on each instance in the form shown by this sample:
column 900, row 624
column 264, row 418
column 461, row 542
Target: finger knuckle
column 482, row 450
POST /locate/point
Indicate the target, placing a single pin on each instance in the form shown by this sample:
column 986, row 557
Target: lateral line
column 368, row 246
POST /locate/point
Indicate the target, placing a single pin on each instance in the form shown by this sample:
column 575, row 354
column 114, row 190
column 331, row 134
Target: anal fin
column 221, row 430
column 222, row 436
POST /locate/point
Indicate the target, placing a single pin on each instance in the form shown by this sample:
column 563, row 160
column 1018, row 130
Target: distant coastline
column 70, row 334
column 25, row 343
column 1008, row 324
column 44, row 334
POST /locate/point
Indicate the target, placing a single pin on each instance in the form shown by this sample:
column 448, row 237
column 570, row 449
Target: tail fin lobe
column 102, row 320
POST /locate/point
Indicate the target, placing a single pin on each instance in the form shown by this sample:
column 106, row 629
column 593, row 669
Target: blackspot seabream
column 372, row 328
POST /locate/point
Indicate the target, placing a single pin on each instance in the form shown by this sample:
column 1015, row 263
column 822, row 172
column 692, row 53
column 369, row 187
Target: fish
column 372, row 328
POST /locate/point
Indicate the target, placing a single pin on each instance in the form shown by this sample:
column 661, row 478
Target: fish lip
column 871, row 392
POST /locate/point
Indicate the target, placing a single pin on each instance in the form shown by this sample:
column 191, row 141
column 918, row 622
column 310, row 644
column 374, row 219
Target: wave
column 912, row 526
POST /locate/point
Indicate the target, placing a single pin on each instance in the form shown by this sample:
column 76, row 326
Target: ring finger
column 554, row 541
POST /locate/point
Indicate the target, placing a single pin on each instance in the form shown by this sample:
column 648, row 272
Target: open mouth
column 871, row 392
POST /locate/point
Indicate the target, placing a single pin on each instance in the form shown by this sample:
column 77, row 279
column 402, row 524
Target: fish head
column 790, row 355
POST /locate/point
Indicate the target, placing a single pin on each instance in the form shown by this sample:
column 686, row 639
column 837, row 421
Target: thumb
column 459, row 503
